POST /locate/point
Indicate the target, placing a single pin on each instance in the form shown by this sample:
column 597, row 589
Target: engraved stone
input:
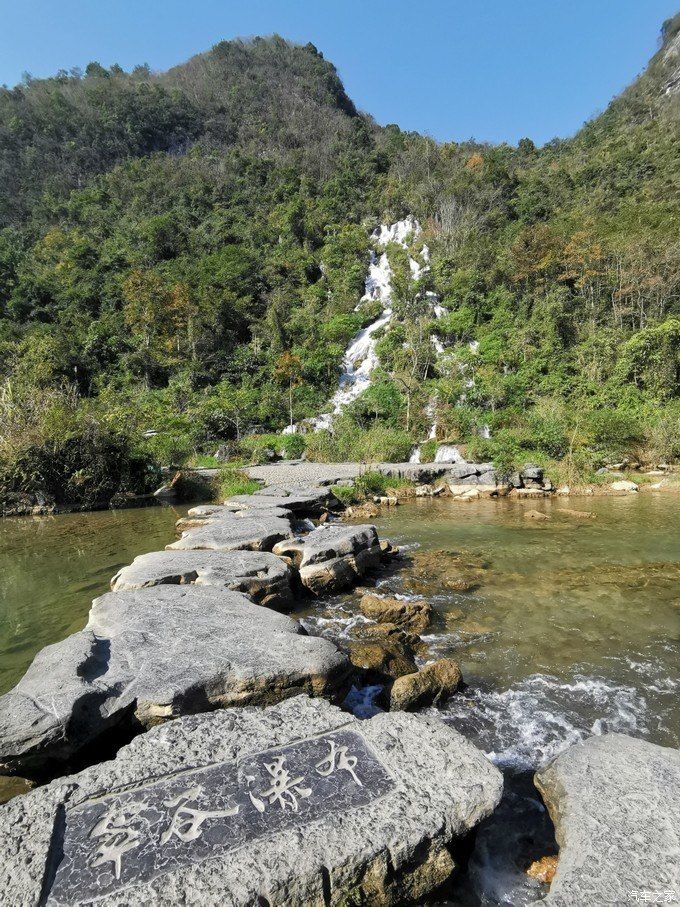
column 135, row 835
column 297, row 803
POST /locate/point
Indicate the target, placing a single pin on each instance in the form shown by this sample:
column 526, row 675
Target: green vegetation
column 367, row 485
column 232, row 482
column 192, row 265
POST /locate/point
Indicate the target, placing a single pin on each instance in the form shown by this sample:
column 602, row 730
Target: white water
column 360, row 357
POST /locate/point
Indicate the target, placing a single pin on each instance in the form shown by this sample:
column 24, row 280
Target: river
column 573, row 630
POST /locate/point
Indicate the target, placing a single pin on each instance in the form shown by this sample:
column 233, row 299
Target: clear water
column 573, row 631
column 52, row 567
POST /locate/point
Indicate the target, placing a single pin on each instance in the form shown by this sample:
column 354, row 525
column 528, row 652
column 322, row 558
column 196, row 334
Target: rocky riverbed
column 261, row 790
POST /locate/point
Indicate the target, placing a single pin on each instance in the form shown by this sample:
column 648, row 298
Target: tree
column 288, row 371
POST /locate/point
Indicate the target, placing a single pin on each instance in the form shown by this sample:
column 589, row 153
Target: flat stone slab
column 299, row 499
column 615, row 803
column 234, row 532
column 261, row 576
column 334, row 556
column 298, row 803
column 152, row 654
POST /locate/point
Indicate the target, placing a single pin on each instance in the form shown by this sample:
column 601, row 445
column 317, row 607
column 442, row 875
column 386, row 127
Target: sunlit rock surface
column 298, row 803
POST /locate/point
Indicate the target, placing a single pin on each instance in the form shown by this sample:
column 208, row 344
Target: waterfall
column 360, row 357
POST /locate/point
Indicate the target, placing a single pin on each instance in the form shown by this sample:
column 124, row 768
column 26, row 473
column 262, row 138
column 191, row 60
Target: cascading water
column 360, row 357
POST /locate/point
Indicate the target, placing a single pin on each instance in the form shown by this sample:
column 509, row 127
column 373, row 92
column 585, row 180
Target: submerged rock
column 153, row 654
column 12, row 786
column 431, row 685
column 262, row 576
column 234, row 532
column 413, row 614
column 298, row 803
column 334, row 556
column 615, row 803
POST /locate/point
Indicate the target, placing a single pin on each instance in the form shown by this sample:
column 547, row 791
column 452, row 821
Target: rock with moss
column 413, row 614
column 431, row 685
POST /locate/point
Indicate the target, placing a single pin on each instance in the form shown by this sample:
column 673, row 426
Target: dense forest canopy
column 184, row 251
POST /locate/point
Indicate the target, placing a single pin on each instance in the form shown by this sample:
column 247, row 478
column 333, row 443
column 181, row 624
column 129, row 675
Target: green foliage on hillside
column 185, row 251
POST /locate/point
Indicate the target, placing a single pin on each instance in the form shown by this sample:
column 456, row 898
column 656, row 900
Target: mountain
column 186, row 251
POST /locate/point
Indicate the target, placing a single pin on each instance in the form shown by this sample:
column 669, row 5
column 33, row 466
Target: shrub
column 254, row 447
column 51, row 445
column 428, row 450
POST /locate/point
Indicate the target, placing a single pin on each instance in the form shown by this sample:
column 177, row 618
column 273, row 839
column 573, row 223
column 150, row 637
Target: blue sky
column 493, row 69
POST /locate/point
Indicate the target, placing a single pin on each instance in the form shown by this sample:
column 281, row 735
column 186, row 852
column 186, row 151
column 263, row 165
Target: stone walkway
column 301, row 472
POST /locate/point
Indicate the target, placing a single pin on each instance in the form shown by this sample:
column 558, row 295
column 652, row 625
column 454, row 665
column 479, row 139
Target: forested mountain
column 183, row 250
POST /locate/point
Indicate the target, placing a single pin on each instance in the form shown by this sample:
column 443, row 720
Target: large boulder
column 334, row 556
column 153, row 654
column 262, row 576
column 296, row 804
column 615, row 803
column 235, row 532
column 429, row 686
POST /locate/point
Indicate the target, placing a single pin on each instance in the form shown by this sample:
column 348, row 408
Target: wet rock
column 334, row 556
column 624, row 485
column 431, row 685
column 153, row 654
column 371, row 820
column 535, row 515
column 615, row 803
column 433, row 571
column 12, row 786
column 412, row 614
column 388, row 550
column 262, row 576
column 234, row 532
column 382, row 658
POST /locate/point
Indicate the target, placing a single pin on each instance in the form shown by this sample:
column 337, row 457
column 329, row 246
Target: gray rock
column 615, row 803
column 153, row 654
column 334, row 556
column 487, row 478
column 466, row 481
column 461, row 471
column 299, row 499
column 534, row 473
column 262, row 576
column 204, row 824
column 256, row 532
